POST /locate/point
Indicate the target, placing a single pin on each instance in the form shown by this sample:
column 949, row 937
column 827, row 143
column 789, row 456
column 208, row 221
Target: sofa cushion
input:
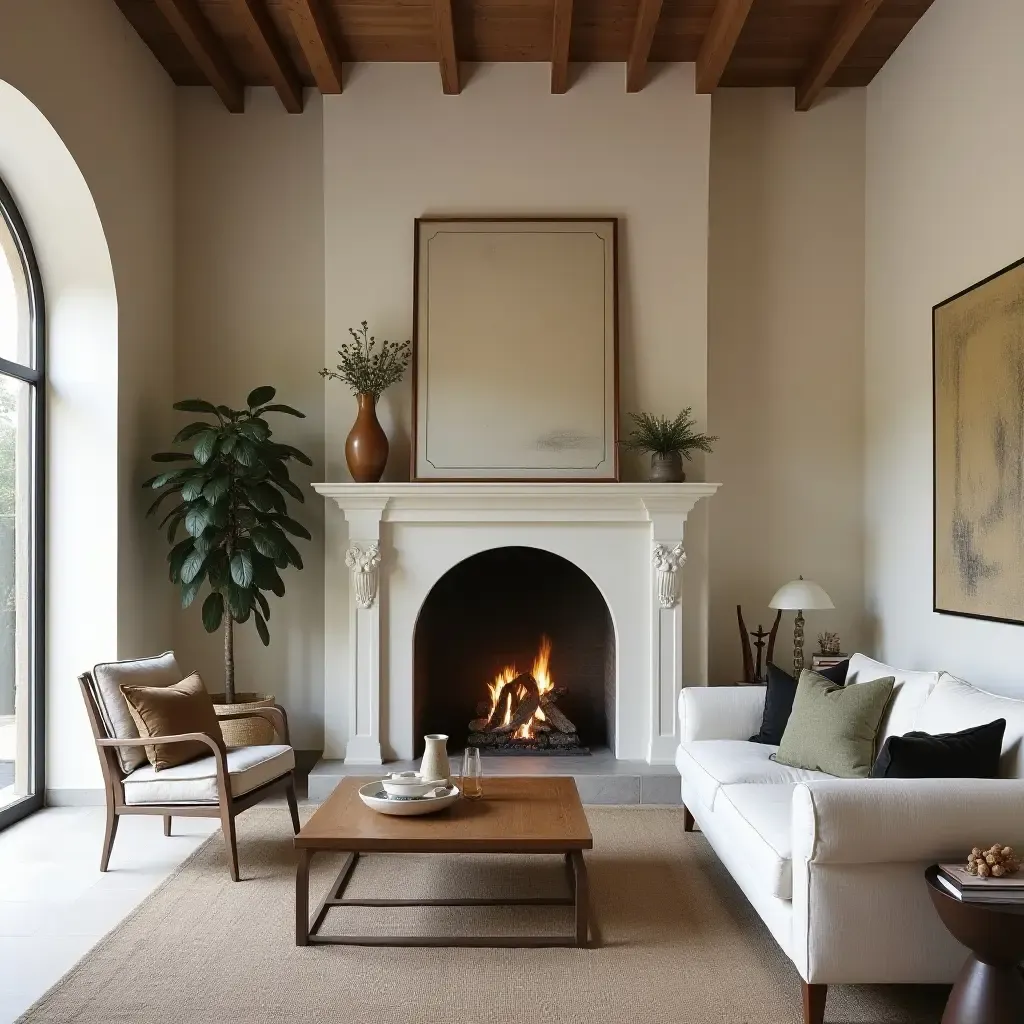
column 778, row 702
column 968, row 754
column 909, row 692
column 955, row 704
column 760, row 817
column 707, row 765
column 109, row 677
column 196, row 782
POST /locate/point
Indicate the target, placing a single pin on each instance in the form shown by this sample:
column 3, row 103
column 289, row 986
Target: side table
column 990, row 987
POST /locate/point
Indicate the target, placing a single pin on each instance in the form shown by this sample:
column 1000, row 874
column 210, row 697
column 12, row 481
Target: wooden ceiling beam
column 267, row 42
column 851, row 22
column 561, row 30
column 719, row 41
column 640, row 48
column 206, row 49
column 312, row 29
column 444, row 33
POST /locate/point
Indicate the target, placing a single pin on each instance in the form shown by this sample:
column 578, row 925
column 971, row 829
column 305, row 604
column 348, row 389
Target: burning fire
column 540, row 672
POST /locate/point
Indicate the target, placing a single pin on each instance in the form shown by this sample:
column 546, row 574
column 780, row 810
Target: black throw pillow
column 971, row 754
column 778, row 701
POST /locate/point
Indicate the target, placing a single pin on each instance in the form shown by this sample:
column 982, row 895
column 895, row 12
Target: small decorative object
column 364, row 564
column 668, row 441
column 435, row 757
column 667, row 563
column 230, row 498
column 756, row 674
column 828, row 644
column 411, row 785
column 376, row 798
column 995, row 862
column 798, row 595
column 368, row 371
column 471, row 774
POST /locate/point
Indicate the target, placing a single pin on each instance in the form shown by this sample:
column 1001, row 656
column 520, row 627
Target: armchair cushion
column 117, row 720
column 170, row 711
column 196, row 782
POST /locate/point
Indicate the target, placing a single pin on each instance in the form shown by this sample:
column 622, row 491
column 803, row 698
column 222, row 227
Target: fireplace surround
column 402, row 539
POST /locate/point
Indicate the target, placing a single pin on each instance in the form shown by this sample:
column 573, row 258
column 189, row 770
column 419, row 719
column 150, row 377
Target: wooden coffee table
column 516, row 815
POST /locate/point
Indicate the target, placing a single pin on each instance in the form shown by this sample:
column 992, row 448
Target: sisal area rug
column 679, row 944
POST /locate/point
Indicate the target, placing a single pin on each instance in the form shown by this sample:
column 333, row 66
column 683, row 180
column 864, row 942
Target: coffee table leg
column 302, row 898
column 582, row 899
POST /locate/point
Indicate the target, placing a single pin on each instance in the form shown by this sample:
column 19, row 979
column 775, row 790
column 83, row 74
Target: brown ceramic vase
column 366, row 447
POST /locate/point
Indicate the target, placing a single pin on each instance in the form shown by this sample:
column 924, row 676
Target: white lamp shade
column 801, row 594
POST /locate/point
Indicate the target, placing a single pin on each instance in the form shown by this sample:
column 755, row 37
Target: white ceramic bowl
column 410, row 784
column 374, row 796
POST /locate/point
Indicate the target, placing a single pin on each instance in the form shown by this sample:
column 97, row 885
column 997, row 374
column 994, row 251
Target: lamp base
column 798, row 645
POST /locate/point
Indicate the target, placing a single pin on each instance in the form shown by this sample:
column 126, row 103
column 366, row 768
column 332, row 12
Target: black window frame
column 35, row 376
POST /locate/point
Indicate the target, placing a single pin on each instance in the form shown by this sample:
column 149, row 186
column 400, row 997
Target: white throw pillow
column 955, row 705
column 909, row 693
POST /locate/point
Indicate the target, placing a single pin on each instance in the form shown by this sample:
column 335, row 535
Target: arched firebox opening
column 514, row 652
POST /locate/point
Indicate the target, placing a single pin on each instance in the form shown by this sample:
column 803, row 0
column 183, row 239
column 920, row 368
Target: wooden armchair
column 219, row 785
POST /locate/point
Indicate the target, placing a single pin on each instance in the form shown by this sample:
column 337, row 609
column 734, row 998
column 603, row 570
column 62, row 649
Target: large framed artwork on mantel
column 515, row 349
column 978, row 384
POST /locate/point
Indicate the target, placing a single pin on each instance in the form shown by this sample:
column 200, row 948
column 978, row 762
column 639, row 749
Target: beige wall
column 396, row 148
column 945, row 162
column 109, row 108
column 250, row 311
column 785, row 382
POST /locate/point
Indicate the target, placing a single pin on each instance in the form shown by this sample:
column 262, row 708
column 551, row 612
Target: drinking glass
column 471, row 772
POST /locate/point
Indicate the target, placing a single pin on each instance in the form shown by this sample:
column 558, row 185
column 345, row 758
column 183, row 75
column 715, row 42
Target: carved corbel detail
column 667, row 563
column 364, row 564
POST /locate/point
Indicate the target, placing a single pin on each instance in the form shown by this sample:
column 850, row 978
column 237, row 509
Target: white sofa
column 835, row 867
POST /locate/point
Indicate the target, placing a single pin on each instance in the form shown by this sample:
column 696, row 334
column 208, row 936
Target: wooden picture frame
column 515, row 349
column 978, row 449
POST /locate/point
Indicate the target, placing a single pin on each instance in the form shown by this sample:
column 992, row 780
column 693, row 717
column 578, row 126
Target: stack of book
column 823, row 661
column 962, row 885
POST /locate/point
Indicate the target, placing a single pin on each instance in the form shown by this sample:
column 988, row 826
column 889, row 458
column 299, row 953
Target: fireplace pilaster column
column 367, row 571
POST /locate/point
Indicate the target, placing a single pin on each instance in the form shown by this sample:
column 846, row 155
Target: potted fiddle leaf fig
column 229, row 529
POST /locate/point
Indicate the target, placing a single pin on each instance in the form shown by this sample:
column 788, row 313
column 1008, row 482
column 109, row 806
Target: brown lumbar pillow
column 170, row 711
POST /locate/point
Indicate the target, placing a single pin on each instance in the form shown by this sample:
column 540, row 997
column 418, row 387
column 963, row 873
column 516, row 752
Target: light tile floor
column 54, row 902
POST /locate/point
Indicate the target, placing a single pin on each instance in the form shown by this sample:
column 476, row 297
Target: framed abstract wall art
column 978, row 409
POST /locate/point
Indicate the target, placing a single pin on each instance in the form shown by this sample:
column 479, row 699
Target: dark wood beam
column 206, row 50
column 312, row 29
column 267, row 42
column 640, row 48
column 444, row 33
column 719, row 42
column 561, row 30
column 852, row 20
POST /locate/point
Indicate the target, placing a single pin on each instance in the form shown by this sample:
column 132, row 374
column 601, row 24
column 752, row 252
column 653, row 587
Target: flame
column 541, row 672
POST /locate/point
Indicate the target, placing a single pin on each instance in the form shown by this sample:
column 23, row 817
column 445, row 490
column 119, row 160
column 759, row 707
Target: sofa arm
column 720, row 712
column 886, row 821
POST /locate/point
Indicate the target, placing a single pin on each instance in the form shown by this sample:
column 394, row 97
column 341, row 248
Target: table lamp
column 795, row 596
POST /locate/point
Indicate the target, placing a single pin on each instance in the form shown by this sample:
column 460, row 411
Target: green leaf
column 239, row 602
column 198, row 518
column 255, row 430
column 266, row 575
column 196, row 405
column 292, row 554
column 172, row 528
column 189, row 591
column 245, row 453
column 216, row 488
column 289, row 524
column 265, row 498
column 190, row 431
column 287, row 409
column 245, row 517
column 206, row 445
column 192, row 489
column 156, row 504
column 289, row 488
column 227, row 443
column 192, row 567
column 261, row 628
column 170, row 477
column 241, row 568
column 259, row 396
column 263, row 603
column 218, row 569
column 176, row 511
column 171, row 457
column 177, row 555
column 266, row 543
column 287, row 451
column 213, row 612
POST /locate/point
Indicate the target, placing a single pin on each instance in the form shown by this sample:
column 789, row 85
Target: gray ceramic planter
column 667, row 469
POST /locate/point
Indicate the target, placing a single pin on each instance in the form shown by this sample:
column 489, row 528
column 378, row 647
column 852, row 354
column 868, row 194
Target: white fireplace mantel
column 402, row 537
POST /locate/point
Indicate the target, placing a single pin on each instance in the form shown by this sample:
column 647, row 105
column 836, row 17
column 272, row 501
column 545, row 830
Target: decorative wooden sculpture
column 756, row 671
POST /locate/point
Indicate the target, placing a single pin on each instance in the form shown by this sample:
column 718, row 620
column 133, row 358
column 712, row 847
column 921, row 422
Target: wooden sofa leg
column 167, row 824
column 687, row 819
column 814, row 1003
column 108, row 836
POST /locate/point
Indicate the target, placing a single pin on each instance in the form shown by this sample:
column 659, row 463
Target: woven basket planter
column 245, row 732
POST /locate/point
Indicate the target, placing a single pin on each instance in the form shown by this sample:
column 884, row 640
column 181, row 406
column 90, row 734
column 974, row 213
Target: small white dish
column 410, row 784
column 375, row 797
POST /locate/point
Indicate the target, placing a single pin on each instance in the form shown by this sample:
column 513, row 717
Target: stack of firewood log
column 523, row 698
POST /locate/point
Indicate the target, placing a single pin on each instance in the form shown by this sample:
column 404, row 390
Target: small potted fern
column 668, row 442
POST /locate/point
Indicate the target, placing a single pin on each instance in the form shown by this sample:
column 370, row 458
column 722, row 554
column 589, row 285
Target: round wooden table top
column 985, row 909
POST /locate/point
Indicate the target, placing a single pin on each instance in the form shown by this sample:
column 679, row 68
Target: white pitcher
column 435, row 757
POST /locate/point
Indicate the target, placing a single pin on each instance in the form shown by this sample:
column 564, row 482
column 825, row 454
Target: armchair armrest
column 275, row 716
column 149, row 741
column 720, row 712
column 879, row 821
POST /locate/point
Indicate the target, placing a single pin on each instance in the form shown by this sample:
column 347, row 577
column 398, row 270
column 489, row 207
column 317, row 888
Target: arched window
column 22, row 403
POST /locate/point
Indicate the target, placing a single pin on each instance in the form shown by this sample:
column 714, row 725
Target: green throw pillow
column 833, row 728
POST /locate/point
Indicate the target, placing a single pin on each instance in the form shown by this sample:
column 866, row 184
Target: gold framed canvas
column 978, row 430
column 515, row 349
